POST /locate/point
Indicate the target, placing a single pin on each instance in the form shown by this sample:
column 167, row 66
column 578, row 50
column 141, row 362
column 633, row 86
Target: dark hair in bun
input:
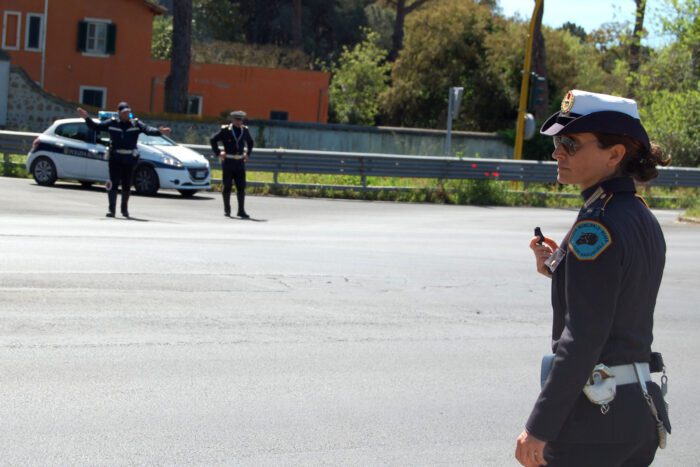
column 639, row 162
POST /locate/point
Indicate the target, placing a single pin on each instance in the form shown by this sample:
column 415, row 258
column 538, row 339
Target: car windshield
column 156, row 140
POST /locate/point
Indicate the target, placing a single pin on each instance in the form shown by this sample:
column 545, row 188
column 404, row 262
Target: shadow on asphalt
column 117, row 218
column 100, row 188
column 250, row 219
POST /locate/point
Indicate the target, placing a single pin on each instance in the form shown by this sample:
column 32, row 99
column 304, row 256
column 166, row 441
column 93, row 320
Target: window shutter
column 82, row 36
column 111, row 39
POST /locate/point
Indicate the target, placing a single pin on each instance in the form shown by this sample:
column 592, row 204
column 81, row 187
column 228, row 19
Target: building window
column 97, row 37
column 34, row 32
column 11, row 26
column 194, row 105
column 279, row 115
column 93, row 96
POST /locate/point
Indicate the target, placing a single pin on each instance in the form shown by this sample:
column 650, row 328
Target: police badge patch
column 589, row 239
column 567, row 103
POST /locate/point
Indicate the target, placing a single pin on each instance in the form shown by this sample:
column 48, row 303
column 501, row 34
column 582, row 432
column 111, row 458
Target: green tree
column 360, row 76
column 402, row 8
column 218, row 20
column 162, row 38
column 445, row 45
column 669, row 90
column 575, row 30
column 683, row 23
column 380, row 19
column 636, row 39
column 673, row 121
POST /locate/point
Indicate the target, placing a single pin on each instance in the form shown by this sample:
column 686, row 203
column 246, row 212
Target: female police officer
column 597, row 406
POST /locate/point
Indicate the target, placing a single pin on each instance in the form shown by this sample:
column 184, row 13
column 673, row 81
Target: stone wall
column 32, row 109
column 29, row 108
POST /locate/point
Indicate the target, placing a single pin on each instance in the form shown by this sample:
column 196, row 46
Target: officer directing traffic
column 598, row 405
column 238, row 146
column 123, row 153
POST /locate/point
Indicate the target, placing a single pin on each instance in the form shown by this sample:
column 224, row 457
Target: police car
column 68, row 149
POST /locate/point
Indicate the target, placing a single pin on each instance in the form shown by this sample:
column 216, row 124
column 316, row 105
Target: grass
column 693, row 209
column 464, row 192
column 16, row 169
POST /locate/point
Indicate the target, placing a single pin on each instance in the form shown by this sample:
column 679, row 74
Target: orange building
column 98, row 52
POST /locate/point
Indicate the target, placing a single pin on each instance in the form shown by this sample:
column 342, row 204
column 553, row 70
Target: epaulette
column 595, row 205
column 223, row 127
column 641, row 198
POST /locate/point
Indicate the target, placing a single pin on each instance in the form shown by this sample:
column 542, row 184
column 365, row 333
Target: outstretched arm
column 90, row 122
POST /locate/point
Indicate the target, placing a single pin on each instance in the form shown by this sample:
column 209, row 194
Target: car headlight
column 168, row 160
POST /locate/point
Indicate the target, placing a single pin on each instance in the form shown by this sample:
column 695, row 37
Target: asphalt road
column 323, row 332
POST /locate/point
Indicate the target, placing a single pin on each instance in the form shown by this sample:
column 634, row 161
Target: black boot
column 227, row 204
column 241, row 205
column 112, row 197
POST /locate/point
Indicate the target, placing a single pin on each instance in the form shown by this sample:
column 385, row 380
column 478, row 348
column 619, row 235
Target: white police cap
column 237, row 114
column 589, row 112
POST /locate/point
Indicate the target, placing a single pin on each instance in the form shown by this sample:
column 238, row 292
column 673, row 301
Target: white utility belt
column 126, row 152
column 623, row 374
column 626, row 374
column 235, row 157
column 601, row 386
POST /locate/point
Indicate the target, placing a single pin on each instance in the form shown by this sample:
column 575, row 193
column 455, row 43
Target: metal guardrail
column 365, row 165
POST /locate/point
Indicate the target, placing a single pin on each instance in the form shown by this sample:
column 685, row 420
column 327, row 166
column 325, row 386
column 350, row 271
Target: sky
column 589, row 14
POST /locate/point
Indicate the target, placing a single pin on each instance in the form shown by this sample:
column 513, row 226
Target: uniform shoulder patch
column 589, row 239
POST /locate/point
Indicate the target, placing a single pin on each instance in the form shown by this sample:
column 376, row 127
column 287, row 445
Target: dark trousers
column 120, row 172
column 640, row 454
column 234, row 172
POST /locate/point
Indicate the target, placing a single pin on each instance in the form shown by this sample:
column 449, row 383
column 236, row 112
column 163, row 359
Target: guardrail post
column 275, row 174
column 6, row 164
column 363, row 175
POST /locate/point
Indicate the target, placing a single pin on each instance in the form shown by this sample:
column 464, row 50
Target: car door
column 73, row 139
column 96, row 166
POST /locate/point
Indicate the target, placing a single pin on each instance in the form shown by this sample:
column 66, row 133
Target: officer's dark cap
column 588, row 112
column 123, row 106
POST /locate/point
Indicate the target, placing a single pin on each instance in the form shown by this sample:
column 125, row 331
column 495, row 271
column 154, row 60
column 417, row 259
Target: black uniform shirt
column 603, row 298
column 234, row 140
column 123, row 135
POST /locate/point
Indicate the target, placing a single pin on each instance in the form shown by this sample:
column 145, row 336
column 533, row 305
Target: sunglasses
column 569, row 145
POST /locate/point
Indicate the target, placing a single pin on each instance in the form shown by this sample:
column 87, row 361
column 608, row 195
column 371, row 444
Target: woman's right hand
column 542, row 253
column 82, row 112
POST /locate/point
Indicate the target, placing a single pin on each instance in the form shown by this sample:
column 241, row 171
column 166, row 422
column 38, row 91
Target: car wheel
column 85, row 184
column 44, row 171
column 146, row 180
column 188, row 193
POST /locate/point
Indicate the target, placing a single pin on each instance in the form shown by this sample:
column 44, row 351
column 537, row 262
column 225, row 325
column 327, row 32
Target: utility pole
column 525, row 83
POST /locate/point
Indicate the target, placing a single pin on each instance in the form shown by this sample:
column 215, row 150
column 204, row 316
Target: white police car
column 68, row 149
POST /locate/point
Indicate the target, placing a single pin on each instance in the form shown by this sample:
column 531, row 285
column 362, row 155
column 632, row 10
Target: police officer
column 238, row 146
column 598, row 406
column 123, row 154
